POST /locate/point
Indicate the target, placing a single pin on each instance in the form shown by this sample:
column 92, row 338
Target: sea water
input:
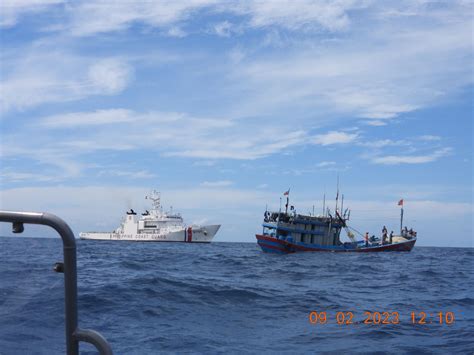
column 150, row 298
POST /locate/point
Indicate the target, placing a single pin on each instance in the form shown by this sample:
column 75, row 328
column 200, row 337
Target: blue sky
column 225, row 105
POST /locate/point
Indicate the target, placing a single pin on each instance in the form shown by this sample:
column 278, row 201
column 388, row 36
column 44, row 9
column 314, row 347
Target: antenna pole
column 337, row 195
column 401, row 220
column 324, row 205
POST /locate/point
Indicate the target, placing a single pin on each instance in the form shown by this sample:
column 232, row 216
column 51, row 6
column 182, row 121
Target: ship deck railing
column 74, row 334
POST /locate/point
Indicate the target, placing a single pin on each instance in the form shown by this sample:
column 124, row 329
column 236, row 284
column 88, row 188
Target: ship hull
column 203, row 234
column 281, row 246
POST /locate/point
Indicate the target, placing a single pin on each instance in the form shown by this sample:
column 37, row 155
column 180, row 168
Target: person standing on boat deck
column 366, row 239
column 391, row 236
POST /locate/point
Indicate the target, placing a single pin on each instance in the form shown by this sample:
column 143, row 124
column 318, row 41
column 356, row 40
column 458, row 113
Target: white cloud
column 237, row 146
column 42, row 77
column 77, row 119
column 88, row 18
column 377, row 73
column 204, row 163
column 317, row 168
column 9, row 175
column 376, row 123
column 335, row 137
column 237, row 54
column 412, row 159
column 210, row 139
column 414, row 60
column 325, row 164
column 85, row 133
column 382, row 143
column 429, row 138
column 11, row 10
column 223, row 29
column 221, row 183
column 294, row 15
column 176, row 32
column 109, row 76
column 139, row 174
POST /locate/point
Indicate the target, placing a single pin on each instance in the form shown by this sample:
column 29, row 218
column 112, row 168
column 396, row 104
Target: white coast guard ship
column 156, row 226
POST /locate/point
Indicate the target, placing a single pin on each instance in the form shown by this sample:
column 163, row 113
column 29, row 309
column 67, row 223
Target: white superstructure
column 156, row 226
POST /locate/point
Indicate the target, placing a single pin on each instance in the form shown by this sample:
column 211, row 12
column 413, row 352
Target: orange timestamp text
column 377, row 318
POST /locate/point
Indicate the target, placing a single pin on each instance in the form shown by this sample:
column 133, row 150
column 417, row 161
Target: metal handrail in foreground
column 73, row 334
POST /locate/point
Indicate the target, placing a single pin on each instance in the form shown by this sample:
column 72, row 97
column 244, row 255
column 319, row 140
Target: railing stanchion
column 73, row 333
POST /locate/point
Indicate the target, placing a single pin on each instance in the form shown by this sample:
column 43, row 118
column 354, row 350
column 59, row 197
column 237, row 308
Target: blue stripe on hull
column 274, row 244
column 272, row 247
column 269, row 250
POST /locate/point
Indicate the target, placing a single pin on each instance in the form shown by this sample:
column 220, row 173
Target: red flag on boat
column 400, row 203
column 287, row 193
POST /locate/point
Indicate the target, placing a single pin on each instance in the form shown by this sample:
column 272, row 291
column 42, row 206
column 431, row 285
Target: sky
column 223, row 106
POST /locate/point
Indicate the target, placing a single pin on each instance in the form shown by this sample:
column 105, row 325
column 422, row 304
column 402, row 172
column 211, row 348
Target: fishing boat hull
column 282, row 246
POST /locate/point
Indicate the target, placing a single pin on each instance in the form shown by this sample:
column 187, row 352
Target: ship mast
column 324, row 205
column 342, row 204
column 401, row 220
column 400, row 203
column 155, row 198
column 279, row 213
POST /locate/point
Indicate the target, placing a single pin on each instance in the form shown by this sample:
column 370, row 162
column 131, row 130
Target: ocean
column 151, row 298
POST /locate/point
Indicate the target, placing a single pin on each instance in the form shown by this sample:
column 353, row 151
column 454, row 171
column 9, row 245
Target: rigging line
column 377, row 219
column 355, row 230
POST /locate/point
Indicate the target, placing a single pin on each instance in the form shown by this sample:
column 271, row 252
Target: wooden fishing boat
column 290, row 232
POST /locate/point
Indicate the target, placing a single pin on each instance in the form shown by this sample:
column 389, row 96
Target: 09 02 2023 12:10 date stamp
column 380, row 318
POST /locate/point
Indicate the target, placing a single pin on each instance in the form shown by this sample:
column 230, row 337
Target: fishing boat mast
column 342, row 204
column 287, row 194
column 400, row 203
column 324, row 205
column 401, row 217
